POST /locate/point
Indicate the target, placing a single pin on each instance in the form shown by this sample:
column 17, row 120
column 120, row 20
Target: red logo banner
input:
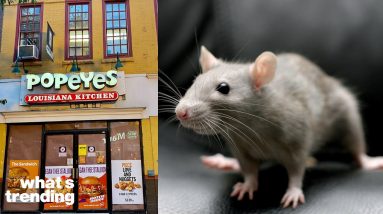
column 106, row 96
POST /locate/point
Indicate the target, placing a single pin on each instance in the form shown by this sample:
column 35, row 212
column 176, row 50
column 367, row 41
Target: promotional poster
column 250, row 106
column 22, row 169
column 63, row 173
column 127, row 182
column 92, row 187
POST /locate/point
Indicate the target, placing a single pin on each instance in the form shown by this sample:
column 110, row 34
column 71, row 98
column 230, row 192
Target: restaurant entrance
column 102, row 159
column 82, row 157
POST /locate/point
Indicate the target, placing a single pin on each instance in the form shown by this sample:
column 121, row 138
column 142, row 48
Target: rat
column 280, row 107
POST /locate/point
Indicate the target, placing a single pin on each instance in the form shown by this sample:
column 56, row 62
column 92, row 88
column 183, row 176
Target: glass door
column 81, row 158
column 92, row 179
column 59, row 165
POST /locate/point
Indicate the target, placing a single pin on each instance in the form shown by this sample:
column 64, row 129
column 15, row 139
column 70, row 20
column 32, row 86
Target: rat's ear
column 207, row 60
column 263, row 69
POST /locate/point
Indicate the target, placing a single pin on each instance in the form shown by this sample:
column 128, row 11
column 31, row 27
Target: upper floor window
column 117, row 35
column 30, row 26
column 79, row 28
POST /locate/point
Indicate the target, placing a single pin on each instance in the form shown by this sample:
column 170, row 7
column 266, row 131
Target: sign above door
column 84, row 87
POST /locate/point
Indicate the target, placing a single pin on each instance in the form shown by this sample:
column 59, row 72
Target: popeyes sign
column 74, row 81
column 71, row 88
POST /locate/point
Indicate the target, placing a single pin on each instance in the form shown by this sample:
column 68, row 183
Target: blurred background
column 343, row 37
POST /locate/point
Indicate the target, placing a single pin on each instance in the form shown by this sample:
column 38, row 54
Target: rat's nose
column 182, row 114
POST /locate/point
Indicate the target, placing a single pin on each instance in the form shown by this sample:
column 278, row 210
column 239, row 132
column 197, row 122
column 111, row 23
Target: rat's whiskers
column 209, row 123
column 239, row 122
column 172, row 86
column 252, row 115
column 228, row 139
column 240, row 133
column 168, row 98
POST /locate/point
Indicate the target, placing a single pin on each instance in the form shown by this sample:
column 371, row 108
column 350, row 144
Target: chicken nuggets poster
column 127, row 182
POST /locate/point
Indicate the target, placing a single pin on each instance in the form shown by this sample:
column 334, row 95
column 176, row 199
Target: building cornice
column 73, row 115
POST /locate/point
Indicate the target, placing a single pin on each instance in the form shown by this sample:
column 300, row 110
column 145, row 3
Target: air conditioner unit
column 28, row 52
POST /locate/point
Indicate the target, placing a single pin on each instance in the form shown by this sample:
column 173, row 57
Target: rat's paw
column 371, row 163
column 293, row 196
column 221, row 162
column 240, row 189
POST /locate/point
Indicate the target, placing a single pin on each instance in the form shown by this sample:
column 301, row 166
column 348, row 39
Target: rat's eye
column 223, row 88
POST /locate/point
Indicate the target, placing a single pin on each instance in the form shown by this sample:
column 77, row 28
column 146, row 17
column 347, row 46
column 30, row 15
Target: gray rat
column 280, row 107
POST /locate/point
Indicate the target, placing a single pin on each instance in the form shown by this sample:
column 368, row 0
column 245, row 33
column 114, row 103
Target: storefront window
column 127, row 184
column 117, row 27
column 22, row 162
column 79, row 30
column 78, row 151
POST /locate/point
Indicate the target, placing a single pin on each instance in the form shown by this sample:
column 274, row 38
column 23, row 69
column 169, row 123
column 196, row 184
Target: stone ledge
column 28, row 63
column 114, row 60
column 80, row 62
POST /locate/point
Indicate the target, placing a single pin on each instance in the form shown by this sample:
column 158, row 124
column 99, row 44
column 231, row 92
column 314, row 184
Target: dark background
column 344, row 37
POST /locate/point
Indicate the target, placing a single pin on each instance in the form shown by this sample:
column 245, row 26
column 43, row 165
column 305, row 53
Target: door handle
column 75, row 173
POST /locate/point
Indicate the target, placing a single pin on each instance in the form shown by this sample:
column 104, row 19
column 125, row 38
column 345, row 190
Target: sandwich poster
column 21, row 169
column 127, row 182
column 64, row 173
column 92, row 187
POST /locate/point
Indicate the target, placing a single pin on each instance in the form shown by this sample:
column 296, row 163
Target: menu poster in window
column 21, row 169
column 92, row 187
column 127, row 182
column 64, row 173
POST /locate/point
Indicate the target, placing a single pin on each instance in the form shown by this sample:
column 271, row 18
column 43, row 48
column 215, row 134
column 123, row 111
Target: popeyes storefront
column 89, row 128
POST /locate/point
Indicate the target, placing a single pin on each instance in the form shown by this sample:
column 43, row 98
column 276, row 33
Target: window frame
column 18, row 21
column 78, row 2
column 128, row 29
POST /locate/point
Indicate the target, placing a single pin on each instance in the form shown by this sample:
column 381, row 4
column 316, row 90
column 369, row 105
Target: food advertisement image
column 64, row 173
column 127, row 182
column 92, row 187
column 21, row 169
